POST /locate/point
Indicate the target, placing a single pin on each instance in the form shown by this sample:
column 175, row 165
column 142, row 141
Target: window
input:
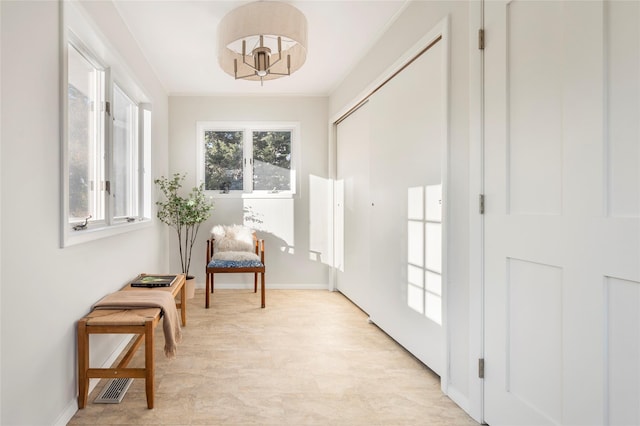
column 106, row 143
column 223, row 160
column 85, row 135
column 248, row 158
column 124, row 184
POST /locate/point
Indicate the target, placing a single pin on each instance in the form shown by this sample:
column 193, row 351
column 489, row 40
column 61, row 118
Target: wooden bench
column 141, row 322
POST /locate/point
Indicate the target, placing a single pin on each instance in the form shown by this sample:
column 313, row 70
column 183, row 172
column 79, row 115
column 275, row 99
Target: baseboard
column 459, row 398
column 72, row 407
column 270, row 286
column 67, row 414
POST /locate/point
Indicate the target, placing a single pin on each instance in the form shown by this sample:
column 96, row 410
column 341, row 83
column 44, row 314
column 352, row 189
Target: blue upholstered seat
column 216, row 263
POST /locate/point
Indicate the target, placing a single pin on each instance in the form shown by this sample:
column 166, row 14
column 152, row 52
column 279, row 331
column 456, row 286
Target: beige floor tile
column 309, row 358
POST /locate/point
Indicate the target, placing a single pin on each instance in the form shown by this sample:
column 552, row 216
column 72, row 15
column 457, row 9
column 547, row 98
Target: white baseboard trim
column 72, row 407
column 459, row 398
column 67, row 414
column 270, row 286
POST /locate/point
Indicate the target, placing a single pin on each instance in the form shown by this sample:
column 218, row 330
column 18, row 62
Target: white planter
column 191, row 287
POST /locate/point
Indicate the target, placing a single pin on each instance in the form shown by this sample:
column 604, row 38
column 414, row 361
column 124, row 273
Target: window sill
column 72, row 238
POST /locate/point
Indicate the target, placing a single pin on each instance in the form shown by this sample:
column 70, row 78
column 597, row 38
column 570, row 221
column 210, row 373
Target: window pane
column 223, row 160
column 272, row 160
column 85, row 129
column 124, row 182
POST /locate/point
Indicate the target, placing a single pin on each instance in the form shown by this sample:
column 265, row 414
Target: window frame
column 79, row 33
column 97, row 133
column 132, row 165
column 248, row 127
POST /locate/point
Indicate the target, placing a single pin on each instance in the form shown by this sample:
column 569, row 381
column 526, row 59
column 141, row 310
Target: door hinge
column 107, row 187
column 481, row 203
column 481, row 39
column 107, row 107
column 481, row 368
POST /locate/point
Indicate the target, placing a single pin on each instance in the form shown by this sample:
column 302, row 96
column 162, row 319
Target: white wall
column 415, row 21
column 46, row 289
column 295, row 230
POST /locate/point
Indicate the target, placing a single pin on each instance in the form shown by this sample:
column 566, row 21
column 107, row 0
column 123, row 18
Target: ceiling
column 178, row 38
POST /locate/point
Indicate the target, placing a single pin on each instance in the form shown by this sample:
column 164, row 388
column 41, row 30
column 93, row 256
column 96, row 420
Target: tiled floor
column 309, row 358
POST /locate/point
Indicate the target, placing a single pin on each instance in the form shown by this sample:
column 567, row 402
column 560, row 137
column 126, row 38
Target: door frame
column 476, row 219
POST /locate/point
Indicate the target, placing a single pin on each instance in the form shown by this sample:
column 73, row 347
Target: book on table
column 149, row 281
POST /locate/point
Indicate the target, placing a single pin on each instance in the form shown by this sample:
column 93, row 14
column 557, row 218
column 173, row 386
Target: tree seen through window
column 272, row 160
column 262, row 157
column 223, row 160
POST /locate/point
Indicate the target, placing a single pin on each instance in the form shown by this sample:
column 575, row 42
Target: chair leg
column 262, row 290
column 255, row 282
column 206, row 290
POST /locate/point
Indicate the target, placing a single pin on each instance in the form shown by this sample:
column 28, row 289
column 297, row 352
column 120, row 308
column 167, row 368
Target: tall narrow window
column 124, row 180
column 85, row 103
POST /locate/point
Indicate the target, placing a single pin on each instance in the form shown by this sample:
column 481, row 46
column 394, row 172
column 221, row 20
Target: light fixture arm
column 261, row 57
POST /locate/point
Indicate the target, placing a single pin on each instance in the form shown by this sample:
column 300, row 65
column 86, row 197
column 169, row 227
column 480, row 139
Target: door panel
column 534, row 324
column 623, row 108
column 623, row 351
column 391, row 155
column 406, row 194
column 561, row 225
column 534, row 97
column 352, row 263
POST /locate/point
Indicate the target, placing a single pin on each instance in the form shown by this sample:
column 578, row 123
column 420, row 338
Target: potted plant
column 184, row 214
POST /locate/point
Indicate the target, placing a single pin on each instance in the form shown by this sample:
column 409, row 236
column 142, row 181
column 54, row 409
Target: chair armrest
column 260, row 249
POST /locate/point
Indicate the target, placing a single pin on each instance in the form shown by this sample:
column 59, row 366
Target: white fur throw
column 237, row 256
column 234, row 238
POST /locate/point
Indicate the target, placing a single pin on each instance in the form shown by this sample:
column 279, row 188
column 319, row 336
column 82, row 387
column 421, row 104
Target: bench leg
column 83, row 363
column 183, row 304
column 149, row 363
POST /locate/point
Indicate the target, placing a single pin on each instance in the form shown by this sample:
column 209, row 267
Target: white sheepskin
column 236, row 256
column 232, row 238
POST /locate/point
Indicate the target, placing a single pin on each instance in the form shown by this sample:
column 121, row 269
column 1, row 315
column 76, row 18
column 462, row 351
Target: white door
column 391, row 169
column 353, row 205
column 408, row 150
column 562, row 235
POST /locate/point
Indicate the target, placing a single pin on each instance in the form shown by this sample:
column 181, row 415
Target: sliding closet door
column 390, row 159
column 407, row 143
column 353, row 208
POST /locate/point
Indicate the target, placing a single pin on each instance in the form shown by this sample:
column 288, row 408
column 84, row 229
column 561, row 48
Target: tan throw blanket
column 135, row 299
